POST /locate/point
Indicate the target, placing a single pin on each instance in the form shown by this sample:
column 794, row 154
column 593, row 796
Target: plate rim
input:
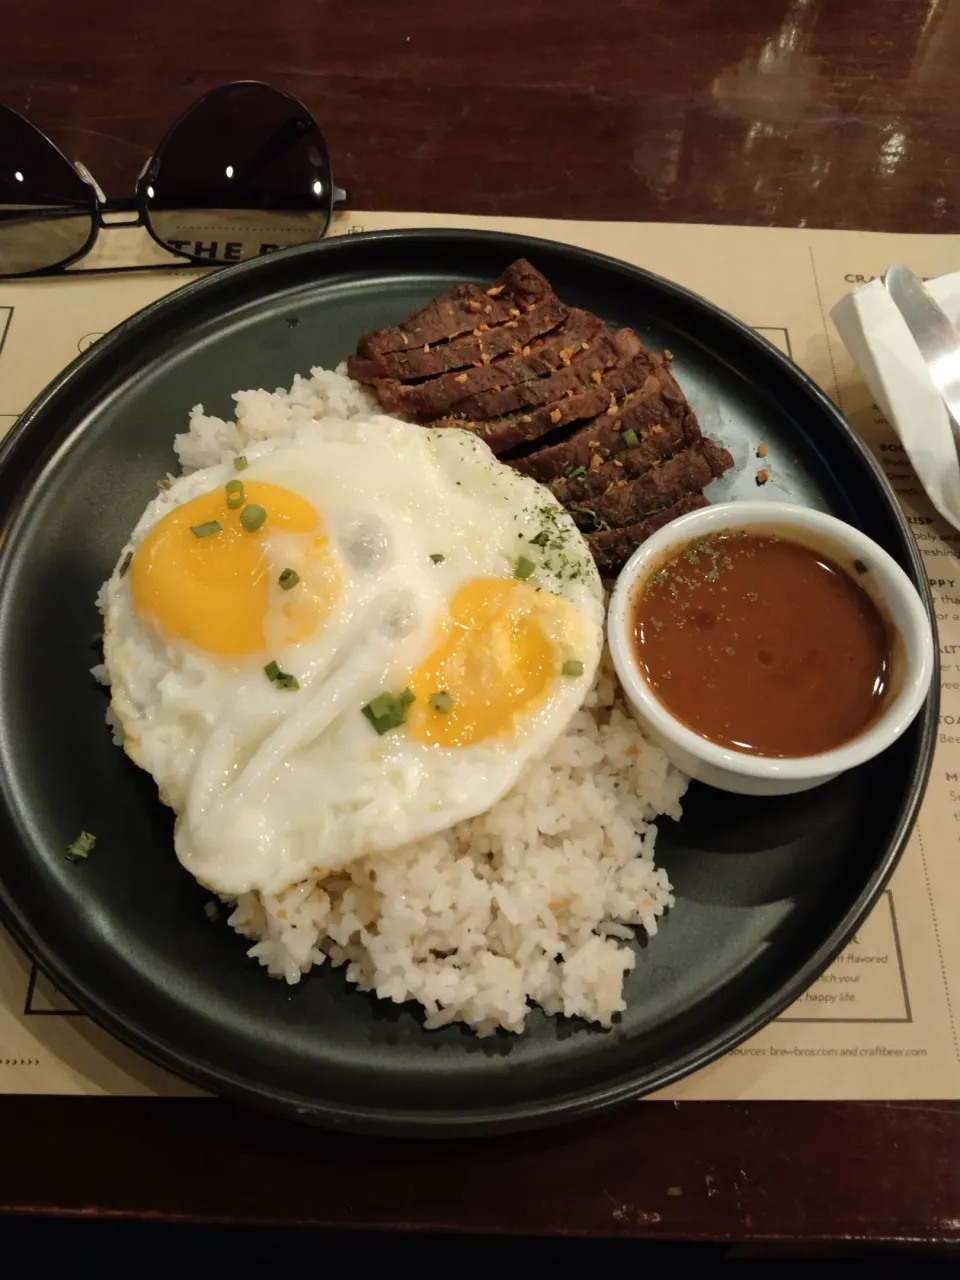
column 497, row 1118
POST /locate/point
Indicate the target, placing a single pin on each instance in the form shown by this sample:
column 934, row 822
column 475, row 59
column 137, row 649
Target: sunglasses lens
column 46, row 209
column 245, row 172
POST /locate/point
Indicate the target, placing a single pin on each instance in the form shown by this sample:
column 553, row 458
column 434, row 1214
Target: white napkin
column 881, row 345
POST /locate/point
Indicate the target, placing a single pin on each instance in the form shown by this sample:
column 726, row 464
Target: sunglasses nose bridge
column 90, row 180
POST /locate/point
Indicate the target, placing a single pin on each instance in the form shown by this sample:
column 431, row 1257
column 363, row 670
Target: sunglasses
column 243, row 172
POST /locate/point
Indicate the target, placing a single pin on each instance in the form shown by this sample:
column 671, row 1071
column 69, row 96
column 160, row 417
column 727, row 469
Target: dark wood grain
column 786, row 112
column 839, row 113
column 712, row 1171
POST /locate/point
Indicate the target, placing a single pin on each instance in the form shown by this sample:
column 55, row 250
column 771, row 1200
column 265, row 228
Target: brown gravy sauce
column 763, row 645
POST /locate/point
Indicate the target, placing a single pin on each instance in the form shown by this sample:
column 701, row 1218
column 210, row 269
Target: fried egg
column 351, row 638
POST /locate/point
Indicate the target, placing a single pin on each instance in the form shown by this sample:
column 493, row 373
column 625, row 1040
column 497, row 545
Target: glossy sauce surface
column 763, row 645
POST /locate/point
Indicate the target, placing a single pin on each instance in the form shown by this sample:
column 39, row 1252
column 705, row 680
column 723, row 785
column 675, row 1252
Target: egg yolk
column 214, row 590
column 496, row 660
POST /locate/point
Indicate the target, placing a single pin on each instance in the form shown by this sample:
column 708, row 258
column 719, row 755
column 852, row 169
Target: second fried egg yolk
column 501, row 648
column 219, row 590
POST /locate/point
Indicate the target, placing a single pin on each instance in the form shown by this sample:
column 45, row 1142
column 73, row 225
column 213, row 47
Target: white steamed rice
column 533, row 902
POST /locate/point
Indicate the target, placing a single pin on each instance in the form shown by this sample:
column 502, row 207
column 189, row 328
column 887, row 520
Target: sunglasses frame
column 101, row 205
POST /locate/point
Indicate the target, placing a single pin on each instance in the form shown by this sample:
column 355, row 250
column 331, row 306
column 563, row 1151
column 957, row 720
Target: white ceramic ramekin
column 738, row 771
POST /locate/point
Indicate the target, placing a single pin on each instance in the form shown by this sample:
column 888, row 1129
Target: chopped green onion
column 541, row 539
column 205, row 530
column 380, row 706
column 240, row 463
column 211, row 910
column 437, row 558
column 572, row 667
column 630, row 438
column 282, row 679
column 289, row 578
column 81, row 847
column 860, row 566
column 441, row 701
column 252, row 517
column 235, row 494
column 387, row 710
column 576, row 472
column 125, row 563
column 523, row 568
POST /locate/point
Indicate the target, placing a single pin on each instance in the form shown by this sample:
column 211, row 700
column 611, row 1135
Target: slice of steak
column 482, row 344
column 518, row 431
column 520, row 288
column 566, row 347
column 613, row 548
column 607, row 351
column 645, row 413
column 581, row 482
column 627, row 501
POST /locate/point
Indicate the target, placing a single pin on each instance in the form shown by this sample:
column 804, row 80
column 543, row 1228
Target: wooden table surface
column 829, row 113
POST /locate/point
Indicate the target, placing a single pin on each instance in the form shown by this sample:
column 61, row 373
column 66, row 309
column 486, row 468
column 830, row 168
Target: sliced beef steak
column 613, row 548
column 580, row 482
column 517, row 430
column 644, row 416
column 519, row 289
column 585, row 410
column 626, row 502
column 477, row 347
column 568, row 344
column 607, row 351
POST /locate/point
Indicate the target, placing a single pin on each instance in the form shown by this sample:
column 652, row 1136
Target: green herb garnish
column 437, row 557
column 289, row 578
column 235, row 494
column 860, row 566
column 204, row 530
column 82, row 847
column 572, row 667
column 441, row 701
column 630, row 438
column 282, row 679
column 125, row 563
column 240, row 463
column 598, row 521
column 252, row 517
column 541, row 539
column 388, row 710
column 523, row 568
column 576, row 472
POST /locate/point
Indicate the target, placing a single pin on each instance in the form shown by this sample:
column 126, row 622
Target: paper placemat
column 882, row 1022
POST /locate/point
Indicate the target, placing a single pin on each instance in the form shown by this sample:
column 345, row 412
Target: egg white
column 270, row 786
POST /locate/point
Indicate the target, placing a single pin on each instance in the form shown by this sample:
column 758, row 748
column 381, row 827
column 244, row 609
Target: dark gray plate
column 767, row 891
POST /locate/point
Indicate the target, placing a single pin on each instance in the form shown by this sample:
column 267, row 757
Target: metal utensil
column 936, row 336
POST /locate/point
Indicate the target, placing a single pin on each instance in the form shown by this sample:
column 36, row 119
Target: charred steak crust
column 614, row 547
column 518, row 430
column 539, row 359
column 580, row 483
column 628, row 501
column 635, row 438
column 606, row 352
column 519, row 289
column 484, row 343
column 585, row 410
